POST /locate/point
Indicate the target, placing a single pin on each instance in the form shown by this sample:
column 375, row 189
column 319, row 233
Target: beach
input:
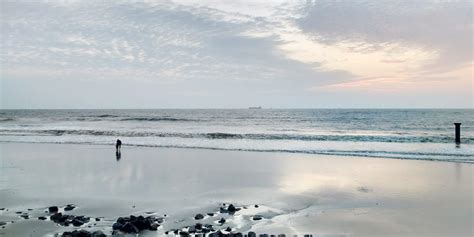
column 295, row 193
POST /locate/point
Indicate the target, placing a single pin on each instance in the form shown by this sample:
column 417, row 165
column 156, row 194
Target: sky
column 236, row 54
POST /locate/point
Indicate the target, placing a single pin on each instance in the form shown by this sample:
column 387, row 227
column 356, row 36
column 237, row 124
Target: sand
column 296, row 193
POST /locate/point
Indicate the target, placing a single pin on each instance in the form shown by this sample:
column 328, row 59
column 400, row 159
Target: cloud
column 219, row 48
column 441, row 28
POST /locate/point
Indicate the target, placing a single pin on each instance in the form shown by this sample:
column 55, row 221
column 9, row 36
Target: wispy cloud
column 298, row 48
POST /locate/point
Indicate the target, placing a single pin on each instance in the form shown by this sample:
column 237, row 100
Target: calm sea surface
column 406, row 134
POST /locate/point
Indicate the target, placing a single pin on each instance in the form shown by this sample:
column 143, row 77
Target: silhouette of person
column 118, row 145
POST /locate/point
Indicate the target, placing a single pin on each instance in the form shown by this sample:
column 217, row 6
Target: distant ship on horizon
column 256, row 107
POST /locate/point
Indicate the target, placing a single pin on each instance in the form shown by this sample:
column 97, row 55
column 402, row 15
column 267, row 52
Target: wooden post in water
column 457, row 132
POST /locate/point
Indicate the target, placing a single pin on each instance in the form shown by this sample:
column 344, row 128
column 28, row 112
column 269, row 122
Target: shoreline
column 297, row 193
column 316, row 153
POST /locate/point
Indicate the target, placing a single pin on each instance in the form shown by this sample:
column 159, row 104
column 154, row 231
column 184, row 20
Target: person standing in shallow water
column 118, row 145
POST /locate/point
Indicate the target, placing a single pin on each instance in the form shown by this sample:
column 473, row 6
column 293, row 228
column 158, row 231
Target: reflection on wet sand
column 310, row 193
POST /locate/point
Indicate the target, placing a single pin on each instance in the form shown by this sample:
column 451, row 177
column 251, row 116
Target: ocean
column 426, row 134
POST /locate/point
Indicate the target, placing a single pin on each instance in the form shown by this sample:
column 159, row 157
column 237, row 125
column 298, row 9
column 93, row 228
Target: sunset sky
column 235, row 54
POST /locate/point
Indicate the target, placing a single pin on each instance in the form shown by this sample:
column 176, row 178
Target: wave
column 106, row 116
column 110, row 117
column 250, row 136
column 6, row 119
column 158, row 119
column 427, row 156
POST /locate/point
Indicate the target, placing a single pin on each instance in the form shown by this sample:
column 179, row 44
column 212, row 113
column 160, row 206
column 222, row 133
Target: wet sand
column 296, row 193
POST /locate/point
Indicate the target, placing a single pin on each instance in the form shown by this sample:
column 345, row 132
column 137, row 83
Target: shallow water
column 298, row 193
column 383, row 133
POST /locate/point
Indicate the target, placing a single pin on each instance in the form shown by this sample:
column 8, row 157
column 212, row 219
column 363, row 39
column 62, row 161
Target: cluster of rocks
column 23, row 215
column 134, row 224
column 230, row 209
column 196, row 229
column 208, row 229
column 65, row 220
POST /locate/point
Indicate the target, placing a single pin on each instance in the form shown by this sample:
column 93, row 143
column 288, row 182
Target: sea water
column 380, row 133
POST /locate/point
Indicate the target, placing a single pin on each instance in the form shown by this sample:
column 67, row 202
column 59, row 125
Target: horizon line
column 235, row 108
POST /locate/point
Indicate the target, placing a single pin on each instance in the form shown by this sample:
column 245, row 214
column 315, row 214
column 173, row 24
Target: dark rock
column 129, row 228
column 25, row 216
column 183, row 233
column 135, row 224
column 263, row 235
column 281, row 235
column 42, row 218
column 141, row 223
column 231, row 208
column 53, row 209
column 228, row 229
column 67, row 234
column 252, row 234
column 97, row 219
column 29, row 209
column 198, row 226
column 198, row 217
column 18, row 212
column 2, row 208
column 237, row 235
column 98, row 233
column 154, row 226
column 77, row 222
column 2, row 223
column 256, row 206
column 257, row 218
column 122, row 220
column 210, row 214
column 55, row 217
column 117, row 226
column 222, row 221
column 69, row 207
column 79, row 233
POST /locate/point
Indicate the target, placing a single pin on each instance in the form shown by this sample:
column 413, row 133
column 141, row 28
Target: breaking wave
column 250, row 136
